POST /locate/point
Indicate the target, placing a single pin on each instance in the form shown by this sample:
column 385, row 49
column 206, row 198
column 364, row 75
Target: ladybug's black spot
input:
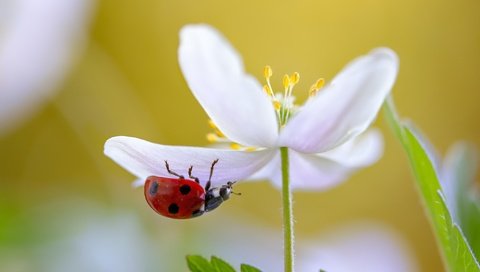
column 153, row 188
column 173, row 208
column 185, row 189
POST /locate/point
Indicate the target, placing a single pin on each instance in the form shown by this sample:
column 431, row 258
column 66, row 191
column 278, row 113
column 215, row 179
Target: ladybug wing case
column 175, row 198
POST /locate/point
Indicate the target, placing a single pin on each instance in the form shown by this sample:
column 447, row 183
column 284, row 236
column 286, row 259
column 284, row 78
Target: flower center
column 283, row 103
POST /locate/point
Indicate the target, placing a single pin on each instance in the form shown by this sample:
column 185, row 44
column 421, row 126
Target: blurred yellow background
column 128, row 82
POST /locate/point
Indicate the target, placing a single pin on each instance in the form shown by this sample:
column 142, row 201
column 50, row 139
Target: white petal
column 306, row 172
column 143, row 159
column 361, row 151
column 233, row 99
column 312, row 172
column 271, row 171
column 39, row 41
column 318, row 172
column 346, row 107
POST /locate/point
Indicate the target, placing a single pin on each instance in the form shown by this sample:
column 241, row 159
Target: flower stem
column 287, row 212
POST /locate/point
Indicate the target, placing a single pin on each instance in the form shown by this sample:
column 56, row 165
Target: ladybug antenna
column 235, row 193
column 230, row 185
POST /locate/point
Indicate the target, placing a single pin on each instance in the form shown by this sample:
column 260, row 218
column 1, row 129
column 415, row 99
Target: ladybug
column 182, row 198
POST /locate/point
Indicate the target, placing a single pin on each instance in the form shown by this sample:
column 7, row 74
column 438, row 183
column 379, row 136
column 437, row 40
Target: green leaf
column 459, row 247
column 248, row 268
column 460, row 168
column 221, row 265
column 455, row 250
column 197, row 263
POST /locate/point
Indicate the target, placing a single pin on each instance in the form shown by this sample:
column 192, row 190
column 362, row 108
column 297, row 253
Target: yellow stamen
column 235, row 146
column 294, row 78
column 212, row 138
column 316, row 87
column 212, row 124
column 267, row 90
column 277, row 105
column 319, row 84
column 216, row 131
column 267, row 72
column 219, row 133
column 286, row 81
column 250, row 149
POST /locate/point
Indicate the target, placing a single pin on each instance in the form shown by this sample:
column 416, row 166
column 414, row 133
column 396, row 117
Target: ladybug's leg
column 207, row 186
column 171, row 172
column 190, row 174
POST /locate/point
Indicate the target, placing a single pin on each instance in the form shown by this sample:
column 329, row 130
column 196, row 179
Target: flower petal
column 306, row 172
column 346, row 107
column 143, row 159
column 39, row 42
column 271, row 171
column 312, row 172
column 361, row 151
column 318, row 172
column 233, row 99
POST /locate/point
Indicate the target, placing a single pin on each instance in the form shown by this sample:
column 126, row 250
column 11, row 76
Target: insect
column 182, row 198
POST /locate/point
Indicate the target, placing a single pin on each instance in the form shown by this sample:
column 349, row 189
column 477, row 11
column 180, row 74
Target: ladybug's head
column 215, row 196
column 226, row 190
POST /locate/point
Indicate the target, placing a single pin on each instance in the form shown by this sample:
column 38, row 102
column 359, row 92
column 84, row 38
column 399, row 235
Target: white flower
column 39, row 41
column 326, row 137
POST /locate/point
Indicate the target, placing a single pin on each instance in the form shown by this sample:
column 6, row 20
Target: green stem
column 287, row 212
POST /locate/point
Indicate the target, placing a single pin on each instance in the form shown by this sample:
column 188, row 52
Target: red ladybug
column 182, row 198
